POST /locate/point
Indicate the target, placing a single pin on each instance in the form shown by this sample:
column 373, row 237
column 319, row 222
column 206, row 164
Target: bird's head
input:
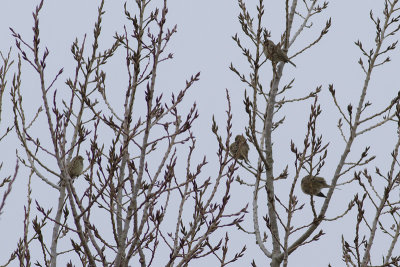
column 240, row 138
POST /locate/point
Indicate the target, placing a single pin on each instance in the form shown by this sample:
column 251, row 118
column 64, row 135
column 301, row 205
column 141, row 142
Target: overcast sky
column 203, row 43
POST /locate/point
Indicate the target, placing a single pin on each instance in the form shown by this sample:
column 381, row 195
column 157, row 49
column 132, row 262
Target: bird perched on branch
column 275, row 53
column 312, row 185
column 75, row 167
column 239, row 149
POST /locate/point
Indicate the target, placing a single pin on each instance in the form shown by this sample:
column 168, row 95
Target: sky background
column 203, row 44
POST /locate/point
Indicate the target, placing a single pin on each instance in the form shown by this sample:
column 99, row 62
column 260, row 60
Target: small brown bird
column 239, row 149
column 312, row 185
column 274, row 53
column 75, row 167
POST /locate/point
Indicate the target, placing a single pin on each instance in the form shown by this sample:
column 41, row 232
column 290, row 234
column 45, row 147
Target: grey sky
column 203, row 43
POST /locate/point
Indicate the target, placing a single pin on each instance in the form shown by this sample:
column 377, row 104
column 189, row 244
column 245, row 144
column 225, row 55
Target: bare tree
column 117, row 215
column 262, row 107
column 141, row 198
column 5, row 183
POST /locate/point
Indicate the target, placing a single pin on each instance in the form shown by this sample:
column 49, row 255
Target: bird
column 239, row 149
column 274, row 53
column 75, row 167
column 312, row 185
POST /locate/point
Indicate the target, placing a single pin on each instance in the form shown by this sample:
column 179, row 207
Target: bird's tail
column 292, row 63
